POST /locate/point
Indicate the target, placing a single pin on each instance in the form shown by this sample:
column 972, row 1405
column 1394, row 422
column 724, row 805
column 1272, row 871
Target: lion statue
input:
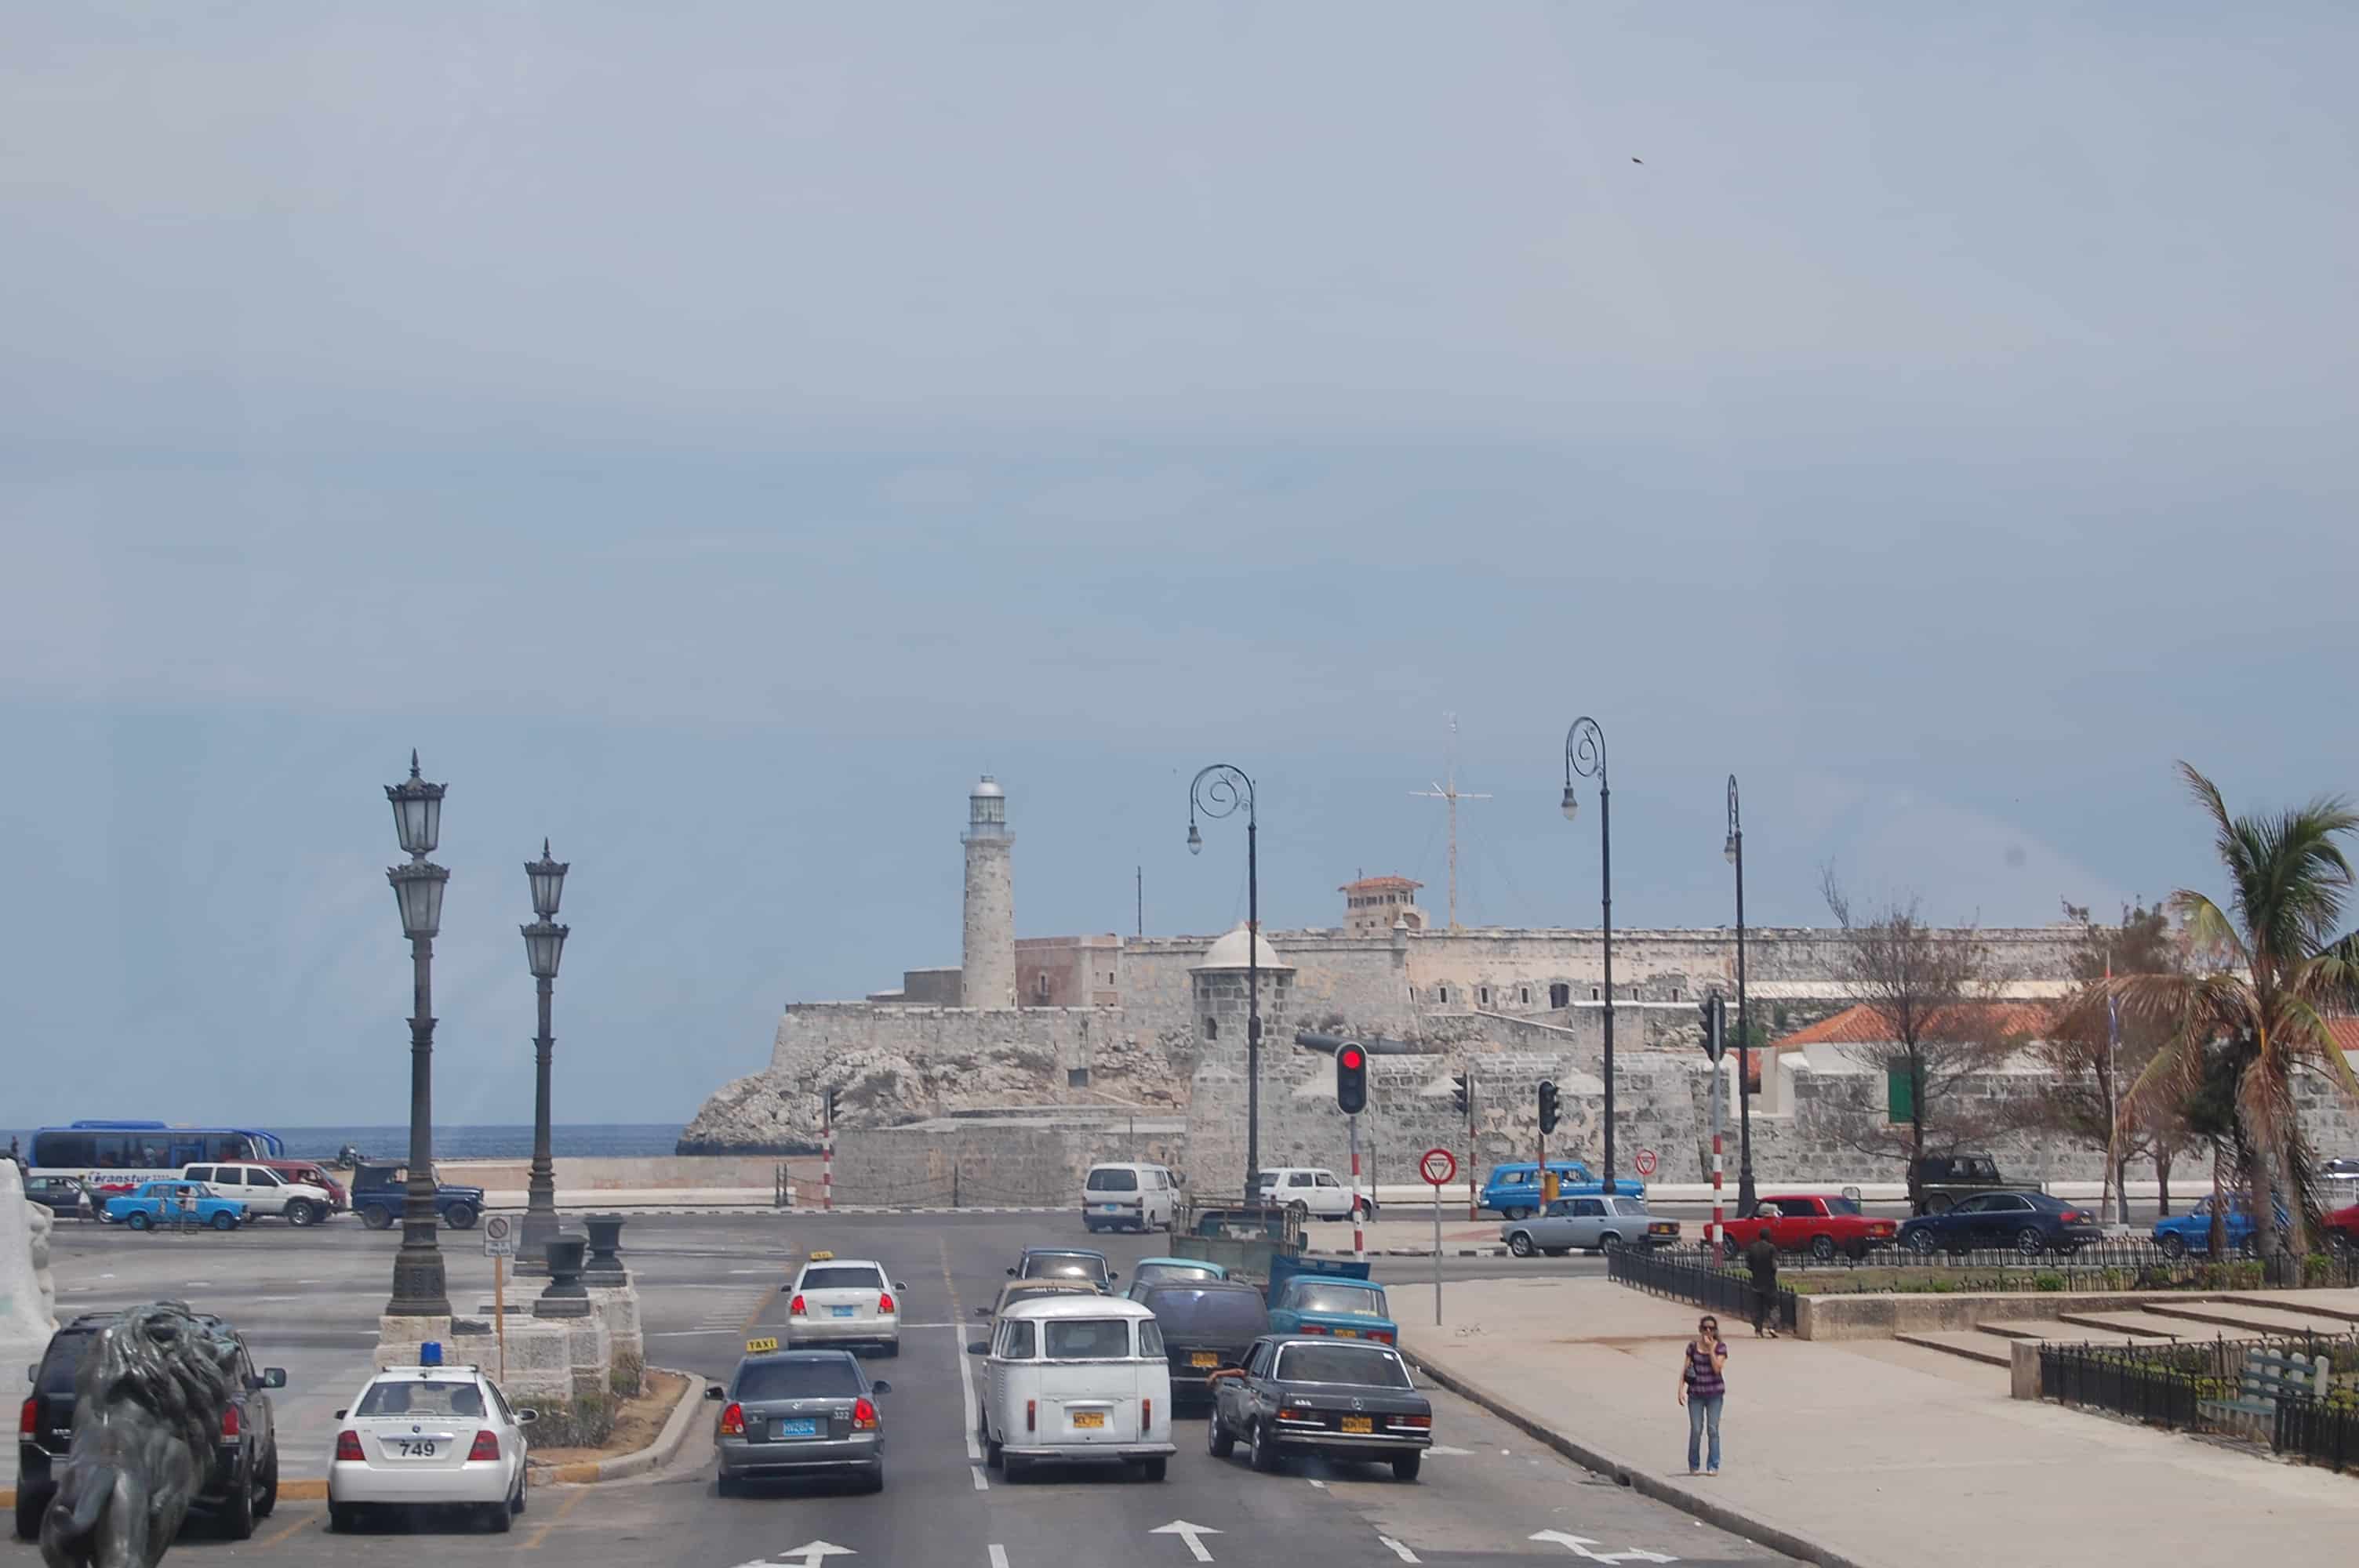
column 148, row 1403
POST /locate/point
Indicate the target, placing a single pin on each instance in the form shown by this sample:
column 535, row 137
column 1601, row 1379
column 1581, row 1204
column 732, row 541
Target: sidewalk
column 1835, row 1452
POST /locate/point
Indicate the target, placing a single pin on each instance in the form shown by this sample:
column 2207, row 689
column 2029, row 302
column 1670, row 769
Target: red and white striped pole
column 1359, row 1237
column 827, row 1156
column 1712, row 1236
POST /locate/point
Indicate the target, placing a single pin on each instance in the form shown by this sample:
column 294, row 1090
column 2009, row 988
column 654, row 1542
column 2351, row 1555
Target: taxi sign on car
column 760, row 1347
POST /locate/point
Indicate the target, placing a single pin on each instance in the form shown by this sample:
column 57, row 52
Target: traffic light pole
column 1359, row 1236
column 827, row 1155
column 1470, row 1146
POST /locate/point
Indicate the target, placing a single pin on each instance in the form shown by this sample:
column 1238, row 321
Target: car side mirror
column 902, row 1286
column 978, row 1348
column 274, row 1377
column 1111, row 1275
column 785, row 1290
column 340, row 1414
column 32, row 1371
column 880, row 1388
column 712, row 1390
column 1011, row 1270
column 983, row 1312
column 527, row 1416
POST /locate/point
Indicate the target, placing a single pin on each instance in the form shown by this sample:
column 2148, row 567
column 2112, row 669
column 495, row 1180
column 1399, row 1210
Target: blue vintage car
column 174, row 1202
column 1513, row 1190
column 2181, row 1234
column 1344, row 1309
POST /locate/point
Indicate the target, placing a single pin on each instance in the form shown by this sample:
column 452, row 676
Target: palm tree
column 2277, row 968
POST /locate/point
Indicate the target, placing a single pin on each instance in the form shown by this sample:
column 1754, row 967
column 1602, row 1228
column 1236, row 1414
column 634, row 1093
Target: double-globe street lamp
column 1217, row 791
column 1734, row 849
column 1584, row 754
column 420, row 1288
column 544, row 946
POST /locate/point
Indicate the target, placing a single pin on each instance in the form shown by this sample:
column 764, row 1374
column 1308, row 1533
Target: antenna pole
column 1449, row 792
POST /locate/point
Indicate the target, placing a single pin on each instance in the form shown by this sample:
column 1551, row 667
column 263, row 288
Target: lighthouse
column 987, row 960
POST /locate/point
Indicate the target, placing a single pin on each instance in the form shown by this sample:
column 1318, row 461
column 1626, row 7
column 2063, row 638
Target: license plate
column 1359, row 1424
column 802, row 1427
column 1109, row 1209
column 1089, row 1417
column 1347, row 1334
column 841, row 1312
column 414, row 1448
column 1203, row 1358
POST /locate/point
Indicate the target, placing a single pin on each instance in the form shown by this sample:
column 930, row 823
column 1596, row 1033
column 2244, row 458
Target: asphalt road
column 307, row 1301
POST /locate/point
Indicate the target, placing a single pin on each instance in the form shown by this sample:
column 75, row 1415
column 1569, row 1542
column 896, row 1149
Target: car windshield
column 1147, row 1272
column 1113, row 1181
column 421, row 1396
column 1636, row 1208
column 1063, row 1265
column 1230, row 1314
column 1360, row 1366
column 1088, row 1338
column 843, row 1279
column 822, row 1377
column 1842, row 1206
column 1358, row 1301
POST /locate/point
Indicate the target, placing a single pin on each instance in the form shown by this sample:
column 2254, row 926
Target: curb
column 1751, row 1527
column 1414, row 1252
column 654, row 1456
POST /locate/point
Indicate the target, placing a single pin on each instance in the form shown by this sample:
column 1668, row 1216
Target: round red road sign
column 1438, row 1167
column 1645, row 1162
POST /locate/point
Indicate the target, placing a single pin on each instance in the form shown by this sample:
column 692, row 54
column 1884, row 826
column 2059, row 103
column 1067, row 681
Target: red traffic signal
column 1351, row 1078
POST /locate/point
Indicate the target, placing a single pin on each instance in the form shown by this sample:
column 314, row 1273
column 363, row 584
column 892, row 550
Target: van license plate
column 1089, row 1417
column 1204, row 1358
column 1109, row 1209
column 806, row 1426
column 1358, row 1424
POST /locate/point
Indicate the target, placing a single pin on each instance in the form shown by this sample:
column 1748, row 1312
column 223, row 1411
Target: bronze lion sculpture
column 148, row 1403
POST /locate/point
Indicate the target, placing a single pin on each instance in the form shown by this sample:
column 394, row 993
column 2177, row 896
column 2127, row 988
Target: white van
column 1135, row 1197
column 1078, row 1378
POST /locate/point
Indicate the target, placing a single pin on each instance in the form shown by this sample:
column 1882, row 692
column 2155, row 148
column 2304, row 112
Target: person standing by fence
column 1702, row 1386
column 1761, row 1257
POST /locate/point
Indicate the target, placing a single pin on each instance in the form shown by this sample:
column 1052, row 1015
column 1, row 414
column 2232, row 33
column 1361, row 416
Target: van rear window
column 1113, row 1181
column 64, row 1359
column 1088, row 1339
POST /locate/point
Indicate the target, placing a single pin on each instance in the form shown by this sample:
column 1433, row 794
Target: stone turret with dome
column 1229, row 952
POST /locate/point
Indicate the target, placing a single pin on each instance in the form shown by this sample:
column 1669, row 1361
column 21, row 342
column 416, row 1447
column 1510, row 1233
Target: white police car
column 429, row 1436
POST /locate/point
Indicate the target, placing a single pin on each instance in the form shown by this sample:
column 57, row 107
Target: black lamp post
column 1584, row 754
column 544, row 946
column 1734, row 850
column 1217, row 791
column 419, row 1288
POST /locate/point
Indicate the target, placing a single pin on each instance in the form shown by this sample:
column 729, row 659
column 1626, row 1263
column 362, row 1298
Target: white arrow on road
column 1441, row 1449
column 1579, row 1546
column 811, row 1553
column 1191, row 1533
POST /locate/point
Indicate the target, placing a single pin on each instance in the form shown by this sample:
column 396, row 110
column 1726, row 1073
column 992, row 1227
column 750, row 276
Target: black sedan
column 64, row 1196
column 1299, row 1394
column 1208, row 1327
column 2028, row 1223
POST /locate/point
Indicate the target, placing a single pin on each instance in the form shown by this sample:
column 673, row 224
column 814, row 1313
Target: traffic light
column 1715, row 1025
column 1351, row 1078
column 1464, row 1094
column 1548, row 1106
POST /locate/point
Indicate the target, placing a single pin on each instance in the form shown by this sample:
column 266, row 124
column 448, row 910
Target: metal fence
column 1728, row 1291
column 2122, row 1265
column 2188, row 1385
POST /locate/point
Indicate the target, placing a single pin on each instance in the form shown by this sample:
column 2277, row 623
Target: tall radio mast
column 1449, row 792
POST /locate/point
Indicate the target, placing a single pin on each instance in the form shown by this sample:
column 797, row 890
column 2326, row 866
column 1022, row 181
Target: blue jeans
column 1703, row 1413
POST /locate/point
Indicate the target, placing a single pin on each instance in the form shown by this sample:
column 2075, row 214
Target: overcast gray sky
column 713, row 433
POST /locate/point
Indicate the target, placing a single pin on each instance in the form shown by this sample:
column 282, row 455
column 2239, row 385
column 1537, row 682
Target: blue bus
column 122, row 1154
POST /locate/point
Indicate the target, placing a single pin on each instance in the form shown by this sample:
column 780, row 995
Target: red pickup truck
column 1804, row 1222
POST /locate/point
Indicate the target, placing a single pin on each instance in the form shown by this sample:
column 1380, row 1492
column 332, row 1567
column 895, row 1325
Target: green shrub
column 2049, row 1282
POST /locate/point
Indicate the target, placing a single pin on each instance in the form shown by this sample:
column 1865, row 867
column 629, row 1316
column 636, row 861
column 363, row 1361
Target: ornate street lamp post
column 1584, row 754
column 544, row 946
column 1217, row 791
column 419, row 1288
column 1734, row 849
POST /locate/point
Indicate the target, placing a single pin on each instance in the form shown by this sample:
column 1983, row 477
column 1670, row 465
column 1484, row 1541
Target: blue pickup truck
column 1512, row 1191
column 1331, row 1296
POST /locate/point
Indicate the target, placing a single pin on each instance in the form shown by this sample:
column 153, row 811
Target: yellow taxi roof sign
column 760, row 1347
column 822, row 1257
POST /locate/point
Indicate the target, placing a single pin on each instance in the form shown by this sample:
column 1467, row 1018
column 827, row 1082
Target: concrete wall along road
column 1015, row 1161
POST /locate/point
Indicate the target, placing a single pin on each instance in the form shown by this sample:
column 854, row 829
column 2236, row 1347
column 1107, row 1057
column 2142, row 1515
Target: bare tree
column 1932, row 990
column 2094, row 1049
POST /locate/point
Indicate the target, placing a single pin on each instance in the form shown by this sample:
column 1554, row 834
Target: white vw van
column 1079, row 1378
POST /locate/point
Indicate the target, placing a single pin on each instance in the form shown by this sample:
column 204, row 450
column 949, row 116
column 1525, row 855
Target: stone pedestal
column 397, row 1339
column 565, row 1296
column 617, row 1308
column 604, row 1264
column 28, row 1295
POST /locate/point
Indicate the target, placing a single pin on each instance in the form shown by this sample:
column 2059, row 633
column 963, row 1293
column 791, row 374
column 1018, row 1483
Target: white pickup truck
column 264, row 1192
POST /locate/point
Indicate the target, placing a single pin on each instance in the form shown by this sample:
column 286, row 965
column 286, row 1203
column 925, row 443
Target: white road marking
column 1320, row 1484
column 1578, row 1545
column 1403, row 1552
column 1191, row 1533
column 1444, row 1450
column 981, row 1485
column 973, row 1418
column 998, row 1556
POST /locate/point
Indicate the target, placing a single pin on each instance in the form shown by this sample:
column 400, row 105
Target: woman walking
column 1702, row 1389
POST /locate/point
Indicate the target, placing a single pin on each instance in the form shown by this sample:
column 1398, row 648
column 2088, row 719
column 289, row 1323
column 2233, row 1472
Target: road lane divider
column 1400, row 1551
column 967, row 1400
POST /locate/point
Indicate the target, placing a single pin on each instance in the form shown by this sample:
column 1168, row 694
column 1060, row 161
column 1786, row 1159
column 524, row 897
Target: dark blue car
column 2029, row 1223
column 2181, row 1234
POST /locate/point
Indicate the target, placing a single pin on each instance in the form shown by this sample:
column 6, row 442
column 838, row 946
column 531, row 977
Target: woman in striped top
column 1702, row 1386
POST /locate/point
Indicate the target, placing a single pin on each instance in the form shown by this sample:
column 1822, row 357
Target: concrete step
column 1961, row 1341
column 2136, row 1324
column 2055, row 1330
column 1979, row 1375
column 2233, row 1317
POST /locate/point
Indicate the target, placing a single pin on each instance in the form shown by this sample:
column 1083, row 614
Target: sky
column 713, row 434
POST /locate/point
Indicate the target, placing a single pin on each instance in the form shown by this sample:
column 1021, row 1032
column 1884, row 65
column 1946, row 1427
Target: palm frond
column 2300, row 1020
column 2209, row 929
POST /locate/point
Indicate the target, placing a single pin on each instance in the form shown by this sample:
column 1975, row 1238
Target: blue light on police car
column 430, row 1354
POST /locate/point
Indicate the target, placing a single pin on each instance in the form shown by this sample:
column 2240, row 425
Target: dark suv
column 242, row 1484
column 1940, row 1180
column 379, row 1192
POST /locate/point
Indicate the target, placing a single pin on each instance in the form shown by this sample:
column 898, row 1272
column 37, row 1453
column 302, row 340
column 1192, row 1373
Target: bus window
column 65, row 1150
column 109, row 1153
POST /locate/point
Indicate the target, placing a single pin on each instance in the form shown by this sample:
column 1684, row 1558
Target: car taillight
column 1314, row 1328
column 348, row 1448
column 1380, row 1336
column 1419, row 1423
column 1146, row 1417
column 1031, row 1415
column 795, row 1307
column 28, row 1420
column 232, row 1422
column 732, row 1422
column 486, row 1446
column 2071, row 1216
column 1295, row 1414
column 864, row 1415
column 885, row 1302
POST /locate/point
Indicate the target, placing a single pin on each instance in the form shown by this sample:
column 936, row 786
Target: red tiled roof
column 1379, row 885
column 1864, row 1026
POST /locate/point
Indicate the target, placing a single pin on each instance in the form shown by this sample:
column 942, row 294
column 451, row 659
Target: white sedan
column 429, row 1436
column 844, row 1302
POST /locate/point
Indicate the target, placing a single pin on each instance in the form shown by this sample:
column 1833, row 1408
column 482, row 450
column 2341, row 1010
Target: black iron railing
column 2201, row 1386
column 1689, row 1279
column 2324, row 1431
